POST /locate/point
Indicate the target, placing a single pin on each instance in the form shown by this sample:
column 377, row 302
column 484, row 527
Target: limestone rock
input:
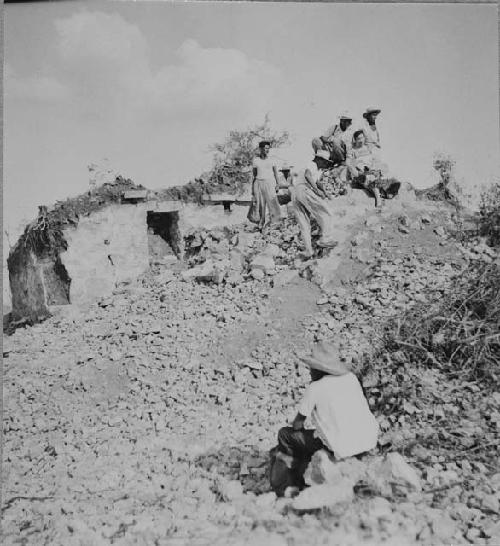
column 444, row 528
column 264, row 262
column 165, row 277
column 323, row 468
column 396, row 470
column 285, row 277
column 257, row 274
column 323, row 496
column 230, row 490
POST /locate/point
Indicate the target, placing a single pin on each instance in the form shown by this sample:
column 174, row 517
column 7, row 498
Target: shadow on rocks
column 250, row 466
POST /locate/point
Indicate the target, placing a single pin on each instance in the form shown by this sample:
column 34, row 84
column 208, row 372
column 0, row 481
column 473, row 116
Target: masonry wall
column 212, row 216
column 107, row 247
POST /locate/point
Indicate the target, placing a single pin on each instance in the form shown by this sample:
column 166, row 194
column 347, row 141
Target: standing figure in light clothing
column 370, row 129
column 309, row 201
column 264, row 186
column 337, row 413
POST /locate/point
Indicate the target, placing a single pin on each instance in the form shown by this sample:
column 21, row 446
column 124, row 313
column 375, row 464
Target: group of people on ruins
column 343, row 159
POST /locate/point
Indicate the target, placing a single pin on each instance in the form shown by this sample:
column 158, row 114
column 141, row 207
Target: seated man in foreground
column 337, row 411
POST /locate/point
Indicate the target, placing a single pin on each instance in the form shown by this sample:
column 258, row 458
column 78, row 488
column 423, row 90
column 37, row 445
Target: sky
column 150, row 85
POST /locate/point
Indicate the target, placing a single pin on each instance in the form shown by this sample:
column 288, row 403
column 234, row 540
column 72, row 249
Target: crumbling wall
column 99, row 250
column 27, row 287
column 107, row 247
column 210, row 217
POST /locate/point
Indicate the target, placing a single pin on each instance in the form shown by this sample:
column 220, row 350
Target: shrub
column 489, row 211
column 460, row 335
column 233, row 157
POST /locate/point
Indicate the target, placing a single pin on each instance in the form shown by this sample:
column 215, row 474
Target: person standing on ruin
column 336, row 139
column 264, row 187
column 309, row 201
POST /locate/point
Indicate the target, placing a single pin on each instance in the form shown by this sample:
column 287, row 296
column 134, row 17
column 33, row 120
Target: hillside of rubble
column 147, row 417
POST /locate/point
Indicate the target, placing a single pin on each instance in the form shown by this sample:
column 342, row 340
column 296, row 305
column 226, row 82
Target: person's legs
column 272, row 202
column 317, row 144
column 302, row 217
column 260, row 202
column 323, row 216
column 338, row 151
column 301, row 444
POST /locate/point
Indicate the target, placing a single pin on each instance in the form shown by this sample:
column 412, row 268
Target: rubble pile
column 148, row 416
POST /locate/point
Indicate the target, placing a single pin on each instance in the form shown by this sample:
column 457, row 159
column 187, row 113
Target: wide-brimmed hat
column 371, row 111
column 345, row 115
column 325, row 358
column 323, row 154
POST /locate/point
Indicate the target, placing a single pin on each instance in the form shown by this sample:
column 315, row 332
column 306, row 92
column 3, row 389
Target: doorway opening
column 164, row 236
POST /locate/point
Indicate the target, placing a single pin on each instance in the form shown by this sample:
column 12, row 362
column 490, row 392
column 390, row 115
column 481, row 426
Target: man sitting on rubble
column 364, row 166
column 337, row 413
column 309, row 201
column 336, row 139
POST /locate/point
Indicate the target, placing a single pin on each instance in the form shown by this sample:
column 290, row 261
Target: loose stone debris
column 146, row 418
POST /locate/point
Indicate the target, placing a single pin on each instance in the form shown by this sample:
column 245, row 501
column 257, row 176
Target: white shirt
column 340, row 414
column 372, row 135
column 336, row 132
column 264, row 168
column 300, row 176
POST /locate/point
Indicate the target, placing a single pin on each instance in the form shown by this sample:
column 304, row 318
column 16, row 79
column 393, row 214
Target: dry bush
column 489, row 210
column 460, row 335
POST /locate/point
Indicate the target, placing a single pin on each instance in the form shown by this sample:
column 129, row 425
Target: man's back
column 340, row 414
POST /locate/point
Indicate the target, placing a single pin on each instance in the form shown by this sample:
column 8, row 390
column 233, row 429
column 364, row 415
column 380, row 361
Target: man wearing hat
column 336, row 139
column 310, row 201
column 336, row 410
column 369, row 128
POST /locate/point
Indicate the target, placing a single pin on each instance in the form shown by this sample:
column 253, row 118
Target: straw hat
column 325, row 358
column 371, row 111
column 345, row 115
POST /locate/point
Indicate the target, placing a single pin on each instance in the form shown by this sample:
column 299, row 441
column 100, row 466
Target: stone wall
column 194, row 216
column 107, row 247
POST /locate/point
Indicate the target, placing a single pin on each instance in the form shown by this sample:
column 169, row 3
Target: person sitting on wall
column 336, row 139
column 336, row 412
column 370, row 129
column 364, row 167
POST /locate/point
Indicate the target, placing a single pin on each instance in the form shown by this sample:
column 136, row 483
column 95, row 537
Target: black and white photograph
column 251, row 273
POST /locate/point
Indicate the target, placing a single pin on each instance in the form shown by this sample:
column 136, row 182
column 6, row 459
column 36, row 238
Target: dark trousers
column 301, row 445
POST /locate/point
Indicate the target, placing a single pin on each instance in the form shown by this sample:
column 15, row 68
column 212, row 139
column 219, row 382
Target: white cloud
column 37, row 88
column 105, row 59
